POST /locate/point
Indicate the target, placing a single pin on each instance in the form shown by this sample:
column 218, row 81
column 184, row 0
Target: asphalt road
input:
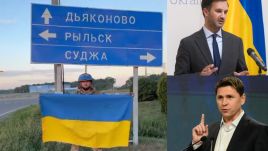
column 8, row 106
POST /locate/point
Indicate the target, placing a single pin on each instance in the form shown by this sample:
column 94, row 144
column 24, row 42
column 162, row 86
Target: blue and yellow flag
column 245, row 20
column 98, row 121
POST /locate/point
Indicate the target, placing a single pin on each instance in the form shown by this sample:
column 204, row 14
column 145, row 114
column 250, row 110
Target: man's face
column 229, row 102
column 215, row 16
column 86, row 84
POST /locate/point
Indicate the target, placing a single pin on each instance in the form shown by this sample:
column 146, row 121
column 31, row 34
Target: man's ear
column 243, row 99
column 205, row 12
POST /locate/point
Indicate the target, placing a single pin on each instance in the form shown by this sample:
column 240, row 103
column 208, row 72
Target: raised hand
column 200, row 130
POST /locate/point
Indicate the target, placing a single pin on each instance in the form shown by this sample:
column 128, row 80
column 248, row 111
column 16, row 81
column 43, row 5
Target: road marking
column 2, row 115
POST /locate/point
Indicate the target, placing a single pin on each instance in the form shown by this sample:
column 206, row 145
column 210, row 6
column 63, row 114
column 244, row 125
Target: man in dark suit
column 236, row 131
column 211, row 50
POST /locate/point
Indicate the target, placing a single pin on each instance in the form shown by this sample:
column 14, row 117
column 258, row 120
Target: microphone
column 202, row 139
column 258, row 61
column 211, row 143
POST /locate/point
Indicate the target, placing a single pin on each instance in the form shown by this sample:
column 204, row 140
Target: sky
column 15, row 48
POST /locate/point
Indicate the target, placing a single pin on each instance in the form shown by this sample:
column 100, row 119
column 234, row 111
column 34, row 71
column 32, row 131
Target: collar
column 208, row 33
column 236, row 121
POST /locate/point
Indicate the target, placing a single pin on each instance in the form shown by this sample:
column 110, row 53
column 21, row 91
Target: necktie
column 216, row 53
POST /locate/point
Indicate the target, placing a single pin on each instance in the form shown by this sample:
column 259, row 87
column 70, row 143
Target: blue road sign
column 72, row 35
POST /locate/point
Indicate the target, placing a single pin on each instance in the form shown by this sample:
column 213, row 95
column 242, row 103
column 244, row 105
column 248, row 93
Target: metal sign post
column 57, row 67
column 135, row 107
column 58, row 78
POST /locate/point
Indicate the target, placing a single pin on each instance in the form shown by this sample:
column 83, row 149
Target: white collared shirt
column 209, row 38
column 225, row 133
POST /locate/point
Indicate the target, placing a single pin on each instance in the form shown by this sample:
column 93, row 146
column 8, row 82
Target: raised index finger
column 202, row 121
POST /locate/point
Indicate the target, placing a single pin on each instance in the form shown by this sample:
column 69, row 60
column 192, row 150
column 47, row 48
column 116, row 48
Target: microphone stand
column 259, row 71
column 211, row 144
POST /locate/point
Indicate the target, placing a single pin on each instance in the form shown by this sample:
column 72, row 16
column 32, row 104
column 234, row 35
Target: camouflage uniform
column 91, row 90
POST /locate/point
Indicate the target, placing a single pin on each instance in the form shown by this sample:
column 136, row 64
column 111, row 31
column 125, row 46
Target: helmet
column 85, row 77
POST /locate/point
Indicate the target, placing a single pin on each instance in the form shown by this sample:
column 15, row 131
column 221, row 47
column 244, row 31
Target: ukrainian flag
column 98, row 121
column 245, row 20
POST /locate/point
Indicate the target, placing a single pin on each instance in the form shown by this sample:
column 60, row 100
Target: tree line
column 153, row 87
column 100, row 84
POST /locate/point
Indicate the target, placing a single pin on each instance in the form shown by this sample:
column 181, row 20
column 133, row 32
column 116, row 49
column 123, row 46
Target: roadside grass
column 21, row 131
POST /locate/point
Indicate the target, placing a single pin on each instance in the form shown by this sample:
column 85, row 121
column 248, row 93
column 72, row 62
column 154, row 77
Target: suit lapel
column 238, row 134
column 213, row 133
column 202, row 44
column 226, row 51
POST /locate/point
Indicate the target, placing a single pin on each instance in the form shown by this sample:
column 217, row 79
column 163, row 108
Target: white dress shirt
column 209, row 38
column 225, row 133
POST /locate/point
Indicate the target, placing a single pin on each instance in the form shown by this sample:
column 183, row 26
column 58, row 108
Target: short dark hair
column 207, row 3
column 232, row 81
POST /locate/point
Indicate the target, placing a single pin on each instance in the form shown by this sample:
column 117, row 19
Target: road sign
column 72, row 35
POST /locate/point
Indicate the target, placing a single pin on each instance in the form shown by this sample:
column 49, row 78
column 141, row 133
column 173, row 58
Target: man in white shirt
column 236, row 131
column 211, row 50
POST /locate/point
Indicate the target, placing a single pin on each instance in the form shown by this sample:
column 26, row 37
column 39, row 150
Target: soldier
column 85, row 87
column 85, row 84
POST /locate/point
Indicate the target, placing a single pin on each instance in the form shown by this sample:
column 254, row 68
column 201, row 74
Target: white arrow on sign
column 149, row 57
column 46, row 15
column 46, row 35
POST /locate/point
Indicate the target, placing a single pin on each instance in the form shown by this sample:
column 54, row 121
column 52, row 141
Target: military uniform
column 91, row 90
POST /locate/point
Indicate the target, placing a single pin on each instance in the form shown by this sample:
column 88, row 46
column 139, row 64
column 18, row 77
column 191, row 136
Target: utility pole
column 146, row 74
column 85, row 68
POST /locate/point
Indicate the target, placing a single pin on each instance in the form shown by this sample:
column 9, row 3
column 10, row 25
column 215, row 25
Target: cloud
column 7, row 21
